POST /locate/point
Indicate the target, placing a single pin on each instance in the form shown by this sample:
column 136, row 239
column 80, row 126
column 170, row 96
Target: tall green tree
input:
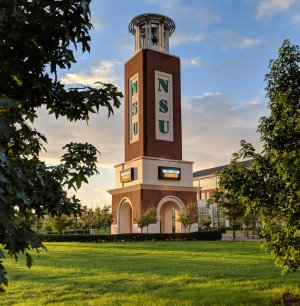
column 37, row 37
column 271, row 185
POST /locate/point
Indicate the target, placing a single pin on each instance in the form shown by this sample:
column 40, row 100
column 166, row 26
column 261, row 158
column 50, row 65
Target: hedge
column 198, row 236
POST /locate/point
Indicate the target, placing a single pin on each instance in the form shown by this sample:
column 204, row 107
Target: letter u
column 164, row 126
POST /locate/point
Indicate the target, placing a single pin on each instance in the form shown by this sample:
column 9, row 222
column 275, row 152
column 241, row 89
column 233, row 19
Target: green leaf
column 5, row 129
column 4, row 101
column 45, row 33
column 3, row 179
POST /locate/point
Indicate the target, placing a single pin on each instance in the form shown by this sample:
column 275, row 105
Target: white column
column 137, row 38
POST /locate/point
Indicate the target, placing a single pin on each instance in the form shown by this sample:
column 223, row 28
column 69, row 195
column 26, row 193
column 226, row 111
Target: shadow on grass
column 179, row 273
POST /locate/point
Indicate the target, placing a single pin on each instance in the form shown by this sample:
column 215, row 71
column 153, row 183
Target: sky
column 224, row 46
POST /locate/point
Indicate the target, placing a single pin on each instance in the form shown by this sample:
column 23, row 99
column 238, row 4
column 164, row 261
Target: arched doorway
column 168, row 212
column 125, row 217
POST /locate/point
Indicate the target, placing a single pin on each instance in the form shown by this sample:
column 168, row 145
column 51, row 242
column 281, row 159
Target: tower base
column 128, row 203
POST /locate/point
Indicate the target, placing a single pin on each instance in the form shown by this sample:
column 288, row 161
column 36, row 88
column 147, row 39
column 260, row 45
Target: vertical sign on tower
column 133, row 109
column 164, row 106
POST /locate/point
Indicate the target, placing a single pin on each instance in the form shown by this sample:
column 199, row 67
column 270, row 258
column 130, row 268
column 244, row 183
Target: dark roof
column 210, row 171
column 137, row 20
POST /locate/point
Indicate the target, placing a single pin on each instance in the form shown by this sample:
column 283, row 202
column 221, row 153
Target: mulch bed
column 290, row 300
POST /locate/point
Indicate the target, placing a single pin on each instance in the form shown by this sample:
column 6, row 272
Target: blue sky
column 224, row 46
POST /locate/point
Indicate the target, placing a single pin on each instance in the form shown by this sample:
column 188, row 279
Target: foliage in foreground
column 270, row 187
column 36, row 39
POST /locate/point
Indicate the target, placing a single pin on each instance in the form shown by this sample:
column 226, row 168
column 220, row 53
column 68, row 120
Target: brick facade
column 145, row 62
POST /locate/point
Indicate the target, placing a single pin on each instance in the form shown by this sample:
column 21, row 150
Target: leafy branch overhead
column 36, row 39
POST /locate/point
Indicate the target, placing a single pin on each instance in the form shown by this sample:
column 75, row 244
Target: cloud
column 271, row 7
column 231, row 41
column 107, row 134
column 205, row 16
column 253, row 102
column 195, row 61
column 100, row 190
column 193, row 11
column 97, row 22
column 171, row 6
column 296, row 19
column 186, row 37
column 103, row 132
column 105, row 71
column 192, row 19
column 95, row 193
column 248, row 42
column 213, row 126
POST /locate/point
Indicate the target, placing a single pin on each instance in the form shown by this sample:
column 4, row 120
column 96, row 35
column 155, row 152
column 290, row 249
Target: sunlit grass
column 157, row 273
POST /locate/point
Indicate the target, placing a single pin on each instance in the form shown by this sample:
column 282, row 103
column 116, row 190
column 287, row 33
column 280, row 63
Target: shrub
column 196, row 236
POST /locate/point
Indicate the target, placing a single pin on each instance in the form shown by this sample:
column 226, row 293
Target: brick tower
column 153, row 174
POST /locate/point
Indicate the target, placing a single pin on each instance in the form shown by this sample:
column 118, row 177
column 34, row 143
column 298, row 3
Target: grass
column 157, row 273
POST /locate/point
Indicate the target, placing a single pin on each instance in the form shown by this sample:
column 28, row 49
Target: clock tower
column 153, row 174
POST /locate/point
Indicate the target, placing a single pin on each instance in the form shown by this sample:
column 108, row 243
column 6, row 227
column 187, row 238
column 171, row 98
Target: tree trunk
column 233, row 233
column 253, row 227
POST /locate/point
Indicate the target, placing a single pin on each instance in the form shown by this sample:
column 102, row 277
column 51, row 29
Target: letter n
column 134, row 88
column 164, row 84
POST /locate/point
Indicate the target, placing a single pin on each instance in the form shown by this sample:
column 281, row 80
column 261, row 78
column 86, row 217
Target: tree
column 228, row 198
column 146, row 218
column 271, row 185
column 246, row 224
column 98, row 218
column 104, row 217
column 186, row 218
column 36, row 39
column 38, row 224
column 206, row 222
column 87, row 219
column 249, row 221
column 60, row 223
column 234, row 210
column 76, row 224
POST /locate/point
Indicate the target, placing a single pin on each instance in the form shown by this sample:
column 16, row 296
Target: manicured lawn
column 157, row 273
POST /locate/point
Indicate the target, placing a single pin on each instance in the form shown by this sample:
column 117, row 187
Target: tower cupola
column 152, row 31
